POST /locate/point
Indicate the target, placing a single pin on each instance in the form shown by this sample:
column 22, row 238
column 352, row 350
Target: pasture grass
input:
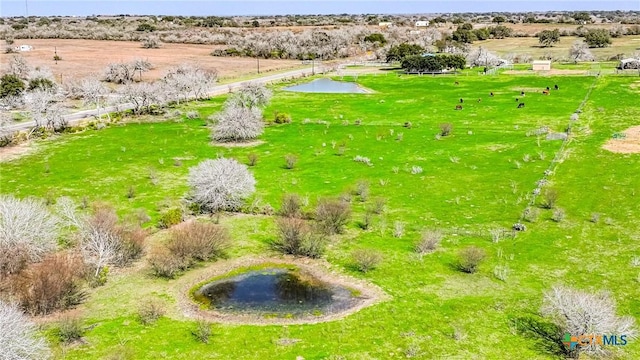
column 478, row 178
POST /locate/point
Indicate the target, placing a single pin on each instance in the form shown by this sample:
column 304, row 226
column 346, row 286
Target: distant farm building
column 422, row 23
column 385, row 24
column 541, row 65
column 23, row 48
column 630, row 63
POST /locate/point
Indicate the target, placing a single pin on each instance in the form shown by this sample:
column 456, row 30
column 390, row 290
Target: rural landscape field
column 453, row 203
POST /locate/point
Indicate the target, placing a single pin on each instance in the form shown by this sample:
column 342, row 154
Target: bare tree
column 6, row 135
column 187, row 81
column 18, row 66
column 28, row 224
column 220, row 184
column 45, row 110
column 581, row 313
column 251, row 95
column 94, row 92
column 579, row 51
column 482, row 57
column 140, row 66
column 18, row 337
column 237, row 123
column 142, row 96
column 120, row 73
column 99, row 246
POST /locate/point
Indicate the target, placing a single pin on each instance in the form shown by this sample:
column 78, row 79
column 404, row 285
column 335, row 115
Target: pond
column 328, row 86
column 275, row 292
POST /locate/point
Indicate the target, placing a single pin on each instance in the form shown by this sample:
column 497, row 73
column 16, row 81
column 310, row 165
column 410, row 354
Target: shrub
column 282, row 118
column 18, row 335
column 53, row 284
column 362, row 190
column 366, row 221
column 378, row 205
column 151, row 42
column 429, row 241
column 558, row 215
column 193, row 115
column 445, row 129
column 332, row 215
column 28, row 232
column 581, row 313
column 221, row 184
column 290, row 161
column 291, row 206
column 296, row 237
column 170, row 217
column 252, row 159
column 366, row 259
column 237, row 123
column 198, row 241
column 202, row 331
column 70, row 329
column 549, row 198
column 398, row 229
column 530, row 214
column 149, row 311
column 470, row 258
column 164, row 263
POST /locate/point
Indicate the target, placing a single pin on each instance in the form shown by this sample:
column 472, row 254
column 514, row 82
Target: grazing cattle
column 521, row 105
column 491, row 94
column 521, row 93
column 458, row 107
column 456, row 83
column 548, row 88
column 517, row 99
column 461, row 100
column 479, row 99
column 556, row 87
column 545, row 92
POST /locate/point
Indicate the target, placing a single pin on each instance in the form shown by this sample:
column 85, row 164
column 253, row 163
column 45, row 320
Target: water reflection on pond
column 275, row 291
column 328, row 86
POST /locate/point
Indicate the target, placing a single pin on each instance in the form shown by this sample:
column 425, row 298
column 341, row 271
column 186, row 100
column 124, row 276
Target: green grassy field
column 476, row 179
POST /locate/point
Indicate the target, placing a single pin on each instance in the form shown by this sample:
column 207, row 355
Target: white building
column 385, row 24
column 23, row 48
column 422, row 23
column 541, row 65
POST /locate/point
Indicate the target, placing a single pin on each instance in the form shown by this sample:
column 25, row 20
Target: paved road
column 216, row 90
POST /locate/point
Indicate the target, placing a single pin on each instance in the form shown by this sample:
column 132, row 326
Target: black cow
column 461, row 100
column 517, row 99
column 556, row 87
column 521, row 93
column 491, row 94
column 521, row 105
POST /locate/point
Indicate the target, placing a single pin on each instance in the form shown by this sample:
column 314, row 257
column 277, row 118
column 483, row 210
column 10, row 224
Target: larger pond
column 328, row 86
column 276, row 292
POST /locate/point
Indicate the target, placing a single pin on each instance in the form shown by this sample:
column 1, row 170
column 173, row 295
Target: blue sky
column 267, row 7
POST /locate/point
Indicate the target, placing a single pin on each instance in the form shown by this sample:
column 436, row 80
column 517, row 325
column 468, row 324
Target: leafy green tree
column 500, row 32
column 146, row 27
column 598, row 38
column 548, row 37
column 452, row 61
column 582, row 16
column 482, row 34
column 41, row 84
column 499, row 19
column 375, row 38
column 10, row 85
column 399, row 52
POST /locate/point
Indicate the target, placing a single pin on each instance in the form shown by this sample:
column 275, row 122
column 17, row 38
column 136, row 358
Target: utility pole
column 258, row 60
